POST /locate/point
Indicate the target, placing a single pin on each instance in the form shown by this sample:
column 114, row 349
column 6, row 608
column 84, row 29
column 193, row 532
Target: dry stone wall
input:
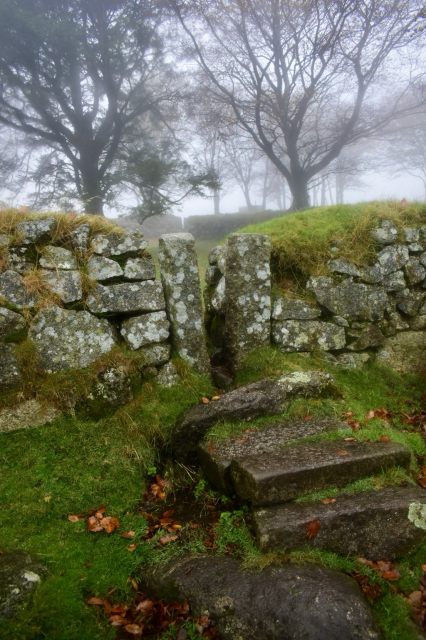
column 351, row 315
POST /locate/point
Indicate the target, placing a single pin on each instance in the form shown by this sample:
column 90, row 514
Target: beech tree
column 82, row 81
column 301, row 76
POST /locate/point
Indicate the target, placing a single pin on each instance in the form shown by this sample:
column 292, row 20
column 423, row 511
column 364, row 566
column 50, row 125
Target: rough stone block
column 58, row 258
column 66, row 284
column 157, row 354
column 248, row 294
column 372, row 275
column 214, row 255
column 10, row 370
column 355, row 301
column 137, row 269
column 263, row 398
column 167, row 375
column 415, row 247
column 129, row 297
column 294, row 309
column 111, row 390
column 414, row 271
column 373, row 525
column 103, row 269
column 36, row 231
column 411, row 234
column 20, row 259
column 404, row 352
column 370, row 336
column 307, row 335
column 69, row 339
column 13, row 289
column 12, row 325
column 216, row 461
column 344, row 267
column 181, row 283
column 394, row 281
column 273, row 478
column 213, row 275
column 218, row 300
column 25, row 415
column 411, row 303
column 417, row 323
column 147, row 329
column 80, row 238
column 19, row 576
column 393, row 258
column 125, row 244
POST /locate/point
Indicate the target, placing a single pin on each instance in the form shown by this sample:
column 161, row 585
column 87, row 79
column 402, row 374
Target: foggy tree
column 80, row 80
column 301, row 76
column 243, row 161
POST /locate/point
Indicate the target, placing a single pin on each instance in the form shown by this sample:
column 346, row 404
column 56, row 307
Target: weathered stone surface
column 214, row 255
column 111, row 390
column 414, row 271
column 410, row 305
column 341, row 322
column 181, row 283
column 372, row 275
column 307, row 335
column 422, row 259
column 58, row 258
column 129, row 297
column 351, row 300
column 415, row 247
column 10, row 370
column 404, row 352
column 80, row 237
column 343, row 360
column 19, row 576
column 272, row 478
column 344, row 267
column 36, row 231
column 137, row 269
column 373, row 525
column 216, row 463
column 156, row 354
column 396, row 323
column 218, row 300
column 411, row 234
column 294, row 309
column 12, row 325
column 285, row 602
column 13, row 289
column 69, row 339
column 66, row 284
column 147, row 329
column 385, row 235
column 103, row 269
column 417, row 323
column 213, row 275
column 361, row 359
column 393, row 258
column 266, row 397
column 20, row 259
column 118, row 244
column 394, row 281
column 371, row 336
column 248, row 294
column 167, row 375
column 31, row 413
column 4, row 240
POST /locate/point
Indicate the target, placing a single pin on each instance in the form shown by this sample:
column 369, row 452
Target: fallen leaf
column 47, row 498
column 168, row 514
column 391, row 575
column 96, row 600
column 370, row 414
column 241, row 441
column 131, row 547
column 145, row 605
column 415, row 598
column 88, row 564
column 309, row 417
column 205, row 400
column 134, row 584
column 167, row 538
column 341, row 452
column 134, row 629
column 186, row 570
column 128, row 535
column 94, row 525
column 110, row 524
column 424, row 567
column 111, row 591
column 76, row 518
column 328, row 500
column 1, row 551
column 350, row 440
column 216, row 397
column 312, row 528
column 385, row 438
column 211, row 449
column 117, row 621
column 182, row 634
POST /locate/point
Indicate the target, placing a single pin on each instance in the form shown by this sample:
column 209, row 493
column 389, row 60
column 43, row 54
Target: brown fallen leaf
column 328, row 500
column 111, row 591
column 76, row 518
column 312, row 528
column 88, row 564
column 128, row 535
column 167, row 538
column 415, row 598
column 110, row 523
column 391, row 575
column 131, row 547
column 211, row 449
column 350, row 440
column 168, row 514
column 370, row 414
column 94, row 525
column 205, row 400
column 309, row 417
column 385, row 438
column 241, row 441
column 216, row 397
column 134, row 629
column 134, row 584
column 341, row 452
column 96, row 600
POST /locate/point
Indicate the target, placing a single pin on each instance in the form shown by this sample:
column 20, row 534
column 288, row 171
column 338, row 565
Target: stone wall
column 351, row 315
column 76, row 296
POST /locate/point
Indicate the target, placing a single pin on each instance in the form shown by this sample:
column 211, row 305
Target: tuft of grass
column 302, row 242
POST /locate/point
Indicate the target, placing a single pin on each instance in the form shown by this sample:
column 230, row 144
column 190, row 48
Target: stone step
column 378, row 525
column 280, row 476
column 216, row 460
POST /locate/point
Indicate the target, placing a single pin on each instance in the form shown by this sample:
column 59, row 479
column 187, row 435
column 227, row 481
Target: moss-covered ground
column 75, row 464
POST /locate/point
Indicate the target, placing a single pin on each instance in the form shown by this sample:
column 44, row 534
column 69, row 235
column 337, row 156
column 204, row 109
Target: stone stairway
column 272, row 467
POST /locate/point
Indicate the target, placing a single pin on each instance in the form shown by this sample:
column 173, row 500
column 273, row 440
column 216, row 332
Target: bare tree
column 301, row 76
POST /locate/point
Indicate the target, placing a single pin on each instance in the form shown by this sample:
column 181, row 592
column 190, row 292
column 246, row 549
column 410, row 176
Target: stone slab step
column 280, row 476
column 216, row 461
column 378, row 525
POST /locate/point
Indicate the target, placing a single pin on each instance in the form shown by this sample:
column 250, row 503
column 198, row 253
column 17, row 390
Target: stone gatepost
column 245, row 259
column 181, row 284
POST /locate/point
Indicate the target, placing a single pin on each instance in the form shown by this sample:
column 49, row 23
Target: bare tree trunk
column 216, row 202
column 323, row 196
column 265, row 185
column 284, row 194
